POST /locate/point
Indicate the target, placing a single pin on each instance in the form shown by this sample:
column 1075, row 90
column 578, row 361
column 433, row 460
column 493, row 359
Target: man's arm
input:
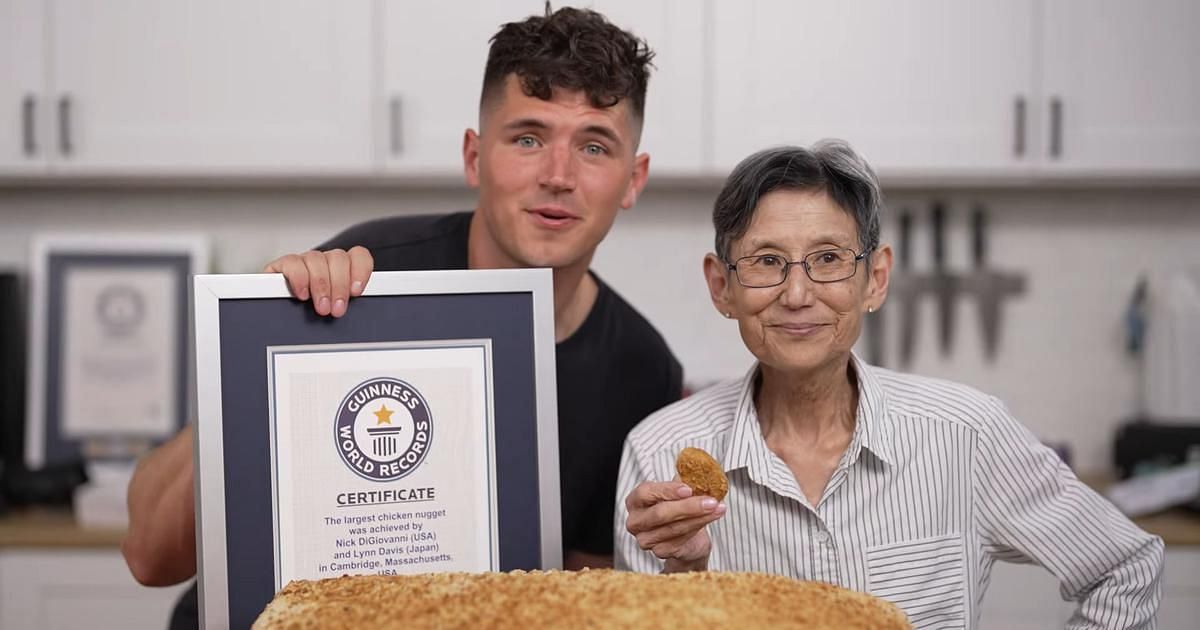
column 160, row 547
column 1033, row 508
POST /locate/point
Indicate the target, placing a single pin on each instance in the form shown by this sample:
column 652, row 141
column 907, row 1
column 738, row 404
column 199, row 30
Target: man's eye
column 527, row 142
column 770, row 261
column 594, row 149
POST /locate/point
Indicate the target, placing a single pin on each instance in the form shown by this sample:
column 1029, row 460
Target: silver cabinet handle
column 29, row 125
column 1019, row 126
column 64, row 125
column 397, row 137
column 1056, row 131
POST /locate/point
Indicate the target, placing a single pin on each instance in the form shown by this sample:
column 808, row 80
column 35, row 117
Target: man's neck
column 574, row 295
column 575, row 289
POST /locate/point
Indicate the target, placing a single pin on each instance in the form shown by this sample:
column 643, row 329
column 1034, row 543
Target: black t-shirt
column 612, row 372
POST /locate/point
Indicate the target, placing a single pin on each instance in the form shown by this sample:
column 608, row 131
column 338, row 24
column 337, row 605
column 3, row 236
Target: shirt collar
column 748, row 449
column 872, row 423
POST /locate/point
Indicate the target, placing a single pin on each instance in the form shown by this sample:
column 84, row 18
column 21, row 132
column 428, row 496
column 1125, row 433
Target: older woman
column 908, row 488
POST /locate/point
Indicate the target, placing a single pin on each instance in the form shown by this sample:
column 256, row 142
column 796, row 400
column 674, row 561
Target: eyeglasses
column 769, row 270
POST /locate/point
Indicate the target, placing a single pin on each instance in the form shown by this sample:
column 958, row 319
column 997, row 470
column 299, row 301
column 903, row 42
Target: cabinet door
column 433, row 59
column 927, row 87
column 53, row 589
column 215, row 87
column 1126, row 79
column 674, row 131
column 23, row 108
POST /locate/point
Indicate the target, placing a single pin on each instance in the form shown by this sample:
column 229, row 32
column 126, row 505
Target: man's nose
column 558, row 169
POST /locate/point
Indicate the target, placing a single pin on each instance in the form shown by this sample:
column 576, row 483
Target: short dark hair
column 830, row 166
column 576, row 49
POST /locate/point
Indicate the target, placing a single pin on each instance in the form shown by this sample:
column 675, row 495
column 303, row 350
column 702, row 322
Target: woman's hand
column 669, row 522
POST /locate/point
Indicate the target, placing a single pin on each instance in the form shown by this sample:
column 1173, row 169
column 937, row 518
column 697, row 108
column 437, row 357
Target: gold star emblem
column 384, row 414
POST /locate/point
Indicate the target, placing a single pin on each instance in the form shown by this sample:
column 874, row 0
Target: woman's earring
column 870, row 309
column 728, row 315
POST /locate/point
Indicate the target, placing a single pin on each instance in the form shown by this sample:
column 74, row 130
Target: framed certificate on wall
column 415, row 434
column 110, row 345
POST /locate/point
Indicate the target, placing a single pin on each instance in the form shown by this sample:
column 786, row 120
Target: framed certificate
column 110, row 362
column 416, row 434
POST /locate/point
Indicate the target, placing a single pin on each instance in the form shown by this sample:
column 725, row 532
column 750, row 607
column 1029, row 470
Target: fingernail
column 708, row 503
column 720, row 509
column 303, row 295
column 339, row 308
column 356, row 286
column 323, row 305
column 684, row 492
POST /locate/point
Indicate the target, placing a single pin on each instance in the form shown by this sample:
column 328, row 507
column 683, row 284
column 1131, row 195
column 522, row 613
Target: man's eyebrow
column 526, row 123
column 604, row 132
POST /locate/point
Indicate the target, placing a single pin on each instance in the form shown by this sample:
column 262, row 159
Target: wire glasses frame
column 823, row 267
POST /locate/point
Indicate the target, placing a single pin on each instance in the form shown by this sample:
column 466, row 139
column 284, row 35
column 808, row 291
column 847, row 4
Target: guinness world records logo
column 383, row 429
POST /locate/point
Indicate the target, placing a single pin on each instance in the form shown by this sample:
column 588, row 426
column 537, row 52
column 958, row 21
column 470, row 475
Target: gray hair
column 830, row 166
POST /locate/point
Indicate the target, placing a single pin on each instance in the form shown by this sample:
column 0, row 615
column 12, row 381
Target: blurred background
column 1040, row 162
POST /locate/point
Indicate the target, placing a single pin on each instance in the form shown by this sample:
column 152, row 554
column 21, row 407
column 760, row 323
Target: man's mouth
column 553, row 216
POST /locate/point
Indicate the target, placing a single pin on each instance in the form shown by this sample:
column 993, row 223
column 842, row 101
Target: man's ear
column 716, row 274
column 470, row 156
column 641, row 170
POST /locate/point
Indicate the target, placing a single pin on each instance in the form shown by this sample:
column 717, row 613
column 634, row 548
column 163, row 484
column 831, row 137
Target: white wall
column 1061, row 367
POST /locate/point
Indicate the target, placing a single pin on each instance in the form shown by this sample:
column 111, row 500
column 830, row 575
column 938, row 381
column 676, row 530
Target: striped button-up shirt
column 938, row 483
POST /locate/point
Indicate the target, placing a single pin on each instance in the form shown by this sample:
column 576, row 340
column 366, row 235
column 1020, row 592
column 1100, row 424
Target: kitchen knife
column 990, row 287
column 944, row 285
column 906, row 291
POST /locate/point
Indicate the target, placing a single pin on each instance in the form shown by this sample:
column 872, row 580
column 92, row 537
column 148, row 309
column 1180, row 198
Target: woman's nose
column 797, row 287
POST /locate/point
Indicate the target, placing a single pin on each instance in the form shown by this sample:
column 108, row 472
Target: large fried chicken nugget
column 701, row 473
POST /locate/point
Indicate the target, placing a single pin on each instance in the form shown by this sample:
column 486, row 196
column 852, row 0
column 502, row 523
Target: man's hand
column 669, row 522
column 331, row 278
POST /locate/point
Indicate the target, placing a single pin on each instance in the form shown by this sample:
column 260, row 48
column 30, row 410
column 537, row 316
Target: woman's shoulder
column 926, row 396
column 700, row 416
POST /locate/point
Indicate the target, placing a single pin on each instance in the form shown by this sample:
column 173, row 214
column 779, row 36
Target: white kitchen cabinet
column 433, row 58
column 1026, row 597
column 1124, row 77
column 433, row 62
column 934, row 87
column 23, row 106
column 66, row 588
column 675, row 132
column 222, row 87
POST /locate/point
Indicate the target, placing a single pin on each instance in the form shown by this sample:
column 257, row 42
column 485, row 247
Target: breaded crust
column 701, row 473
column 584, row 599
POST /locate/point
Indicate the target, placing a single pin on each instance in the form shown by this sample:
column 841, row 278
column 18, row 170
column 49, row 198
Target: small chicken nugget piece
column 701, row 473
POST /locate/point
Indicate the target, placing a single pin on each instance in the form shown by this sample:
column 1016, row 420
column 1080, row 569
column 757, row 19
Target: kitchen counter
column 51, row 527
column 46, row 527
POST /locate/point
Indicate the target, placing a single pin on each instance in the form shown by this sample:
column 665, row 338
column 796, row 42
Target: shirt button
column 822, row 538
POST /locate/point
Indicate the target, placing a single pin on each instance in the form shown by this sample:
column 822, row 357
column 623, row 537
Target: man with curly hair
column 554, row 160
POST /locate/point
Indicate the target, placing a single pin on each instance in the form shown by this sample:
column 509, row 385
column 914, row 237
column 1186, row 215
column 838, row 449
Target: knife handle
column 939, row 233
column 905, row 239
column 1056, row 130
column 978, row 245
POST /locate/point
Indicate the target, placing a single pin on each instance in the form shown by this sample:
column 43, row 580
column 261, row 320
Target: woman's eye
column 526, row 142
